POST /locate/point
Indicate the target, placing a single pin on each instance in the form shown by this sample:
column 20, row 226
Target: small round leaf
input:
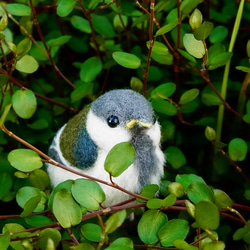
column 66, row 210
column 237, row 149
column 175, row 157
column 92, row 232
column 175, row 229
column 115, row 221
column 164, row 90
column 24, row 103
column 127, row 60
column 199, row 191
column 150, row 224
column 25, row 160
column 88, row 193
column 119, row 158
column 46, row 236
column 27, row 64
column 90, row 69
column 17, row 9
column 193, row 46
column 188, row 96
column 207, row 215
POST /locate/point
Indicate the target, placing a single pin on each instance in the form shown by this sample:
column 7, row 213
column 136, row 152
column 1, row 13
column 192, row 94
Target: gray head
column 121, row 106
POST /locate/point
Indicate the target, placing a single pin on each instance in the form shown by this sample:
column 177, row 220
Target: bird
column 119, row 115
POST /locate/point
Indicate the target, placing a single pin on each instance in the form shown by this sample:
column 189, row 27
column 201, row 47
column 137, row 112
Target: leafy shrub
column 189, row 58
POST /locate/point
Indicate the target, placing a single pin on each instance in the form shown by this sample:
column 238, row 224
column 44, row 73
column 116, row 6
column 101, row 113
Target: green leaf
column 218, row 34
column 66, row 210
column 187, row 6
column 49, row 237
column 195, row 20
column 187, row 179
column 82, row 90
column 164, row 107
column 203, row 31
column 6, row 182
column 4, row 22
column 148, row 191
column 39, row 124
column 159, row 48
column 210, row 134
column 65, row 7
column 207, row 215
column 222, row 200
column 88, row 193
column 90, row 69
column 65, row 184
column 122, row 243
column 39, row 178
column 31, row 205
column 38, row 220
column 187, row 56
column 237, row 149
column 188, row 96
column 81, row 24
column 17, row 9
column 193, row 46
column 103, row 26
column 176, row 189
column 219, row 60
column 15, row 227
column 173, row 230
column 163, row 59
column 59, row 41
column 119, row 158
column 166, row 28
column 169, row 200
column 154, row 203
column 243, row 68
column 24, row 103
column 136, row 84
column 5, row 240
column 190, row 208
column 199, row 191
column 150, row 224
column 27, row 64
column 175, row 157
column 164, row 90
column 115, row 221
column 91, row 232
column 126, row 60
column 209, row 97
column 25, row 160
column 242, row 233
column 23, row 47
column 24, row 196
column 217, row 245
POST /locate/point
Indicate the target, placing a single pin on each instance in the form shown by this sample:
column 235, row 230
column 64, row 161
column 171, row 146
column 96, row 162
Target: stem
column 226, row 71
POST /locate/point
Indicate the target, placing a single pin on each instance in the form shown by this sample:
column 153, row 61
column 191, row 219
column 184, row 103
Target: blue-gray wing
column 75, row 144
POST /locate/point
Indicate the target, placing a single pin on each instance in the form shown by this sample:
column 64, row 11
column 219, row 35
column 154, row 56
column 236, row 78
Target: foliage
column 190, row 58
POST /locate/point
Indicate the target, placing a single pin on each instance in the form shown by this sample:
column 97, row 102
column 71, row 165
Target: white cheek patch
column 155, row 134
column 104, row 136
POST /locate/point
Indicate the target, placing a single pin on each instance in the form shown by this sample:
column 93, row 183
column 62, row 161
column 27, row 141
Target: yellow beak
column 130, row 124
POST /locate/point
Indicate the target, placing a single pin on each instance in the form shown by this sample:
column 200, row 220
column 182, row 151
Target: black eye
column 113, row 121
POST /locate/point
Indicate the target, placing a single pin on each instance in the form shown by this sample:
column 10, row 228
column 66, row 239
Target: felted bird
column 84, row 142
